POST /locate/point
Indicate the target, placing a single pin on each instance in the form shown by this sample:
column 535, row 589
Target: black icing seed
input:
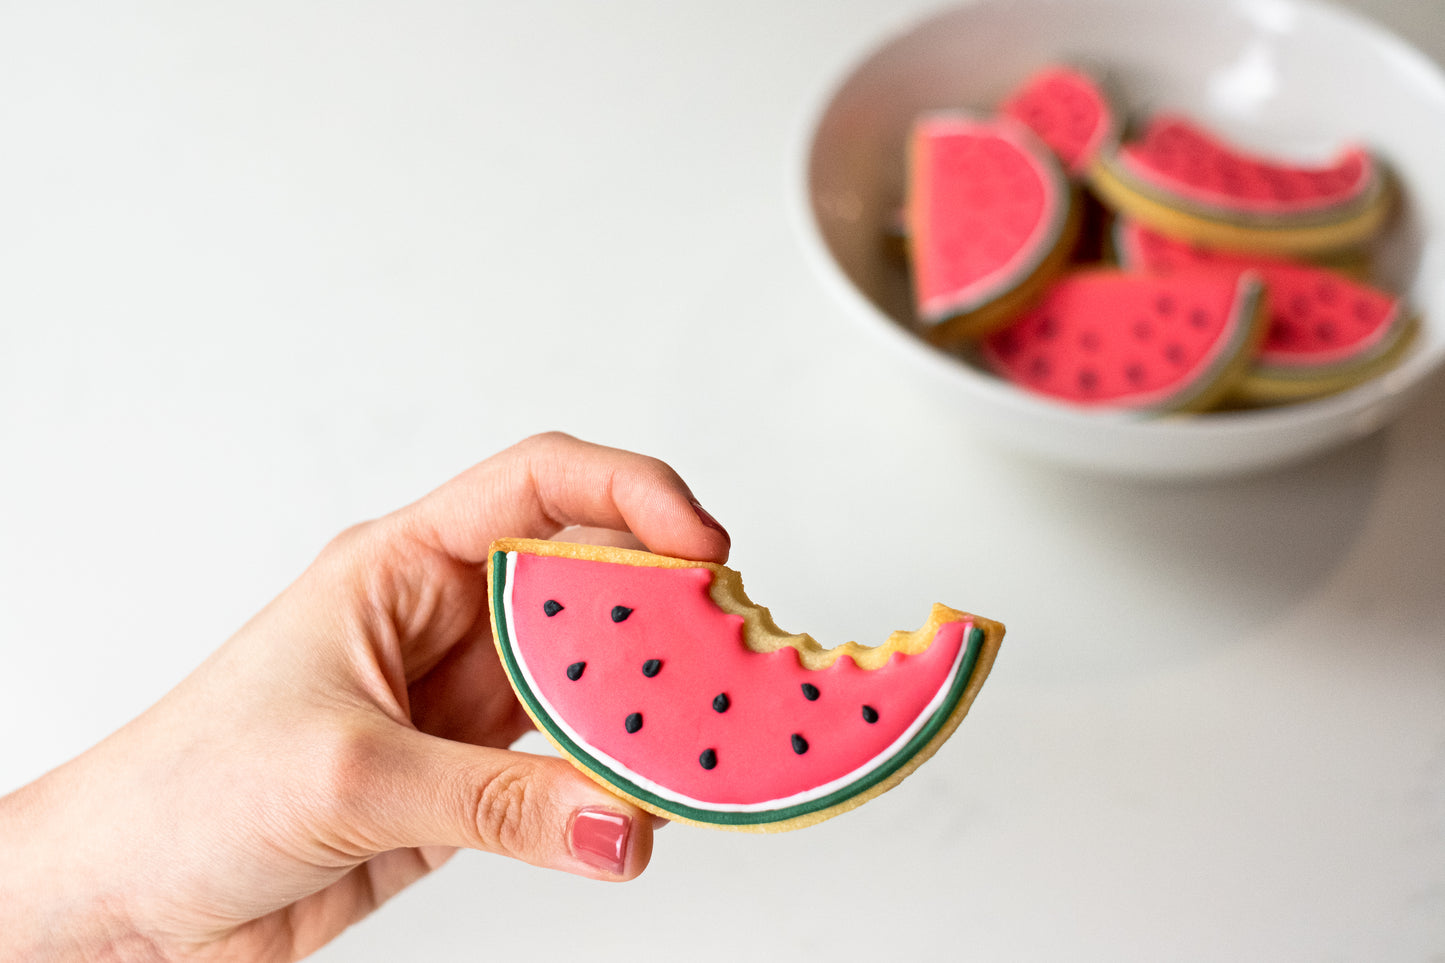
column 721, row 702
column 620, row 612
column 810, row 692
column 870, row 715
column 708, row 759
column 551, row 607
column 800, row 745
column 574, row 671
column 633, row 722
column 651, row 667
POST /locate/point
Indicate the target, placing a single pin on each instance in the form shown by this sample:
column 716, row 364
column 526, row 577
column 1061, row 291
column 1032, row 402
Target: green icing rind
column 726, row 818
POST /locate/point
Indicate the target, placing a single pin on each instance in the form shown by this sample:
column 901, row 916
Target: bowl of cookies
column 1160, row 238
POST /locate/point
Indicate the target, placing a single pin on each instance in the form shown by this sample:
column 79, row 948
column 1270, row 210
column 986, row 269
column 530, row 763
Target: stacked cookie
column 1154, row 269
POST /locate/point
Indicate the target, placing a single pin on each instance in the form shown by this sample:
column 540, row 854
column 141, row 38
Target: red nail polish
column 599, row 839
column 706, row 518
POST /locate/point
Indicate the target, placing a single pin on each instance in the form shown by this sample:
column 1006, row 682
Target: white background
column 267, row 269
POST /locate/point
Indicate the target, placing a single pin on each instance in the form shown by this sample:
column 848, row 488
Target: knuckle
column 659, row 473
column 546, row 440
column 346, row 760
column 504, row 814
column 348, row 550
column 651, row 478
column 348, row 766
column 348, row 538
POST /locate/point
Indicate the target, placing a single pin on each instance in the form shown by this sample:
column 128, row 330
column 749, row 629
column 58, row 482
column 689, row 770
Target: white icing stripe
column 642, row 782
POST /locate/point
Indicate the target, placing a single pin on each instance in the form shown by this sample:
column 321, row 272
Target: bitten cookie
column 1326, row 332
column 990, row 218
column 1182, row 180
column 659, row 679
column 1106, row 339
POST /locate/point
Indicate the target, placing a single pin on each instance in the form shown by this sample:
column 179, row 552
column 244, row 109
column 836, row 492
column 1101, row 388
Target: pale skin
column 344, row 743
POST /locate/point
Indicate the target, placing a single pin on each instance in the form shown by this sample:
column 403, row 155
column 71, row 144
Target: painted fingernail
column 599, row 839
column 706, row 518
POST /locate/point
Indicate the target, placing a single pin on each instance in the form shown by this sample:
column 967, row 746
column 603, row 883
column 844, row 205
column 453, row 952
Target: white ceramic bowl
column 1288, row 76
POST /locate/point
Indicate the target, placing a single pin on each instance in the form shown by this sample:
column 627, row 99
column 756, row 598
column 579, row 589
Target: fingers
column 402, row 788
column 550, row 482
column 591, row 535
column 409, row 789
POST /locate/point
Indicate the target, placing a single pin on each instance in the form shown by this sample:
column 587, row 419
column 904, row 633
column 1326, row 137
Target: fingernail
column 706, row 518
column 599, row 839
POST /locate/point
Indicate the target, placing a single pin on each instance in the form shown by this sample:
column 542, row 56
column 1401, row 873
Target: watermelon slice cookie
column 1106, row 339
column 1327, row 332
column 1069, row 111
column 990, row 218
column 1184, row 181
column 661, row 681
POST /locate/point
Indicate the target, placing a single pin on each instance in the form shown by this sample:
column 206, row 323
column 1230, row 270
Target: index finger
column 548, row 482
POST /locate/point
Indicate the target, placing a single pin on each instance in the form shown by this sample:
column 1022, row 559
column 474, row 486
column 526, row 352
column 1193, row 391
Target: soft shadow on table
column 1174, row 570
column 1394, row 580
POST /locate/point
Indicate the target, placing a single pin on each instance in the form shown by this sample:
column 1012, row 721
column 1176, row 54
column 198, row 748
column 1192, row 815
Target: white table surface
column 270, row 268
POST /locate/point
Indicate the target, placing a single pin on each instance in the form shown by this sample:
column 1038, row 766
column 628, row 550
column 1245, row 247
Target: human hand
column 341, row 745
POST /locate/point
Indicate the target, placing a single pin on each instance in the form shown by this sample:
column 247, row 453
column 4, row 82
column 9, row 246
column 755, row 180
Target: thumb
column 425, row 791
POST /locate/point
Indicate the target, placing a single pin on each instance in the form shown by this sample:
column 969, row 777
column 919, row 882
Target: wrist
column 54, row 905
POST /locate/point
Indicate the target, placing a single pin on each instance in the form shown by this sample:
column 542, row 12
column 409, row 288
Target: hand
column 341, row 745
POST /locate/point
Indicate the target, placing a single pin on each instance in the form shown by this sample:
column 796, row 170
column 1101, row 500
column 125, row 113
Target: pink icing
column 674, row 620
column 1316, row 316
column 1110, row 338
column 1067, row 110
column 1182, row 158
column 984, row 209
